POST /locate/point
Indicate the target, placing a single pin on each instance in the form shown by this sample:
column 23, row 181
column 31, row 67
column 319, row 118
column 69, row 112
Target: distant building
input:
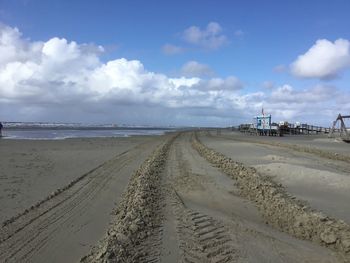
column 264, row 125
column 263, row 122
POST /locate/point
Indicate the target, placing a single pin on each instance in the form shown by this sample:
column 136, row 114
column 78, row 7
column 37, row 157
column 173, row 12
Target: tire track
column 160, row 220
column 293, row 147
column 141, row 227
column 69, row 211
column 27, row 235
column 62, row 213
column 279, row 208
column 201, row 237
column 205, row 234
column 134, row 235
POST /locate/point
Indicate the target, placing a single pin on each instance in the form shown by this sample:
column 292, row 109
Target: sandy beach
column 174, row 131
column 170, row 199
column 322, row 182
column 33, row 170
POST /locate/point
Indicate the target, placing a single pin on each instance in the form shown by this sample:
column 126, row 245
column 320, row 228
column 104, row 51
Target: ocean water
column 60, row 134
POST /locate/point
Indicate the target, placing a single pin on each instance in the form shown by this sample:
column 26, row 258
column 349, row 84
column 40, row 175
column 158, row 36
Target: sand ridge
column 281, row 209
column 189, row 225
column 172, row 201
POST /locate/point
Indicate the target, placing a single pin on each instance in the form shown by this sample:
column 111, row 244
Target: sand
column 322, row 182
column 164, row 199
column 31, row 169
column 197, row 214
column 64, row 227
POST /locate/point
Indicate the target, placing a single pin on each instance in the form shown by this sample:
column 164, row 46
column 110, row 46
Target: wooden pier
column 303, row 129
column 307, row 129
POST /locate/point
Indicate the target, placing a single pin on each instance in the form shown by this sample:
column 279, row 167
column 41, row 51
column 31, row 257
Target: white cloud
column 183, row 81
column 12, row 47
column 196, row 69
column 170, row 49
column 323, row 60
column 314, row 105
column 209, row 38
column 61, row 80
column 287, row 94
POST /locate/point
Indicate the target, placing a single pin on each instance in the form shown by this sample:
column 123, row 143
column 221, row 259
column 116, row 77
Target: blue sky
column 254, row 42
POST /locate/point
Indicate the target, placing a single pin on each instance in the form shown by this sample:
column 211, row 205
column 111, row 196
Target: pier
column 279, row 130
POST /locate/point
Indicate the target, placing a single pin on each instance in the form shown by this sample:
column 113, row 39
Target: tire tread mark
column 28, row 235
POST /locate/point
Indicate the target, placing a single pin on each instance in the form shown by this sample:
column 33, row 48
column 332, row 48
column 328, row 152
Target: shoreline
column 62, row 134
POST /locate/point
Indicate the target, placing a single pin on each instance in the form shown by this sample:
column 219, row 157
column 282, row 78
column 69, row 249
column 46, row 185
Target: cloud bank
column 62, row 80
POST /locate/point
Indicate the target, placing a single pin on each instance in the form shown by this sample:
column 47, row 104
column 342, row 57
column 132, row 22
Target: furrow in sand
column 35, row 235
column 204, row 243
column 298, row 148
column 279, row 208
column 200, row 237
column 178, row 208
column 135, row 233
column 216, row 225
column 152, row 224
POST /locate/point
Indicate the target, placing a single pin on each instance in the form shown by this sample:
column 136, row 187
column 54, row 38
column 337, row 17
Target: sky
column 192, row 63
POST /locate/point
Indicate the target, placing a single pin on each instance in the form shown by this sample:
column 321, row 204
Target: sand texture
column 316, row 177
column 185, row 197
column 66, row 216
column 196, row 213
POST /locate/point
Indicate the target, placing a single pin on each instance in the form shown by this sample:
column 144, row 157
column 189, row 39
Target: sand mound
column 278, row 207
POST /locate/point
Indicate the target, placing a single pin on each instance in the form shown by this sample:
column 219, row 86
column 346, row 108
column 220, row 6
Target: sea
column 47, row 132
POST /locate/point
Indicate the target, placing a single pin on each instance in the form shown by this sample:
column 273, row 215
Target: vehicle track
column 280, row 208
column 212, row 225
column 331, row 160
column 176, row 207
column 28, row 236
column 194, row 215
column 133, row 234
column 202, row 238
column 297, row 148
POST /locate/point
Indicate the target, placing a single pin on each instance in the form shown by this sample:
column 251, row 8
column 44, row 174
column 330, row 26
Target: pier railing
column 288, row 129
